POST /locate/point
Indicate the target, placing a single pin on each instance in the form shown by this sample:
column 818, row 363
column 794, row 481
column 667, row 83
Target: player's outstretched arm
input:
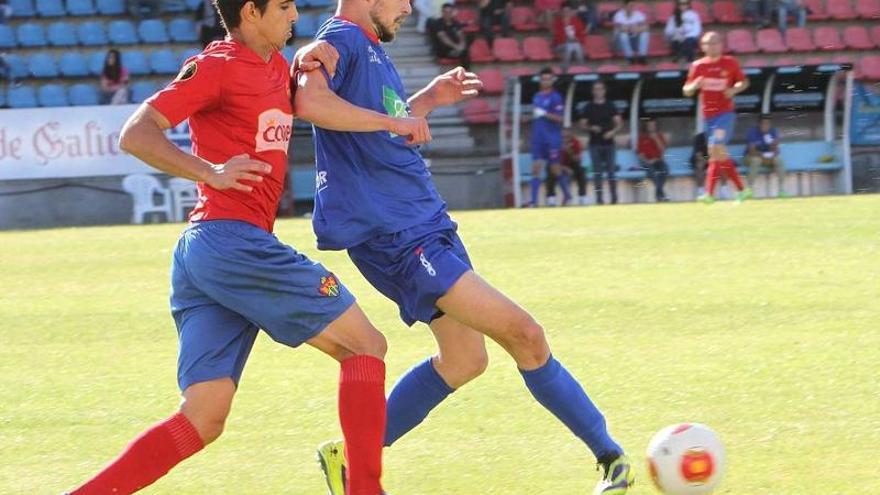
column 446, row 89
column 143, row 136
column 315, row 102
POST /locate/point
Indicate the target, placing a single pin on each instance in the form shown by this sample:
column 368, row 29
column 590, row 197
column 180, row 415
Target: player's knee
column 373, row 344
column 525, row 334
column 208, row 420
column 466, row 368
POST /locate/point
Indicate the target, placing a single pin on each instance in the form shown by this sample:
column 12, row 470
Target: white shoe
column 583, row 201
column 551, row 201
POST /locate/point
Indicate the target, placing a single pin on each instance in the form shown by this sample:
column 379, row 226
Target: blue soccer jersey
column 551, row 103
column 368, row 183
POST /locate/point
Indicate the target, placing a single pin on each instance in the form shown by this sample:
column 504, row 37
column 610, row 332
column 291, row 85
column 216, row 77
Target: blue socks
column 536, row 188
column 563, row 183
column 417, row 392
column 557, row 390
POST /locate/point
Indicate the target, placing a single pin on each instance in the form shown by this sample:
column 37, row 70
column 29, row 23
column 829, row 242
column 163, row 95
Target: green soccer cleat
column 706, row 198
column 745, row 194
column 331, row 457
column 618, row 478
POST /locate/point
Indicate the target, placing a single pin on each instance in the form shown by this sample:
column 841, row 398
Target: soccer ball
column 686, row 459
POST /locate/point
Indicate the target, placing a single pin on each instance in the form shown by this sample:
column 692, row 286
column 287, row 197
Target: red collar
column 369, row 34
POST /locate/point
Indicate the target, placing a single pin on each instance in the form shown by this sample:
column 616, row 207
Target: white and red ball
column 686, row 459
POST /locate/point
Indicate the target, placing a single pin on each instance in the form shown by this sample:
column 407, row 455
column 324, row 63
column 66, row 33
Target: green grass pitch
column 761, row 320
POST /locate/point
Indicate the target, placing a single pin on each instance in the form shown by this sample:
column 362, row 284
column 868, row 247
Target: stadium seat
column 754, row 62
column 596, row 47
column 53, row 95
column 522, row 18
column 827, row 38
column 657, row 46
column 875, row 35
column 96, row 62
column 80, row 7
column 469, row 18
column 663, row 11
column 62, row 34
column 182, row 30
column 706, row 16
column 741, row 41
column 507, row 50
column 770, row 41
column 306, row 26
column 548, row 5
column 7, row 36
column 164, row 61
column 609, row 69
column 73, row 64
column 480, row 111
column 152, row 31
column 142, row 90
column 727, row 12
column 22, row 8
column 110, row 7
column 870, row 67
column 858, row 38
column 31, row 34
column 816, row 60
column 868, row 9
column 136, row 62
column 17, row 65
column 193, row 4
column 841, row 10
column 185, row 54
column 480, row 51
column 84, row 95
column 816, row 9
column 50, row 8
column 520, row 71
column 580, row 69
column 667, row 66
column 786, row 62
column 42, row 65
column 22, row 97
column 799, row 40
column 493, row 81
column 92, row 33
column 537, row 49
column 122, row 32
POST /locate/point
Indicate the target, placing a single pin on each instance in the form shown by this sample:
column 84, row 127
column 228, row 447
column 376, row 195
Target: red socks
column 732, row 174
column 714, row 171
column 712, row 174
column 146, row 459
column 362, row 416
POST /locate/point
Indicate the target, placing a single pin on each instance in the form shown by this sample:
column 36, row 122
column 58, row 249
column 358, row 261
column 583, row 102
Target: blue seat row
column 76, row 64
column 97, row 33
column 59, row 95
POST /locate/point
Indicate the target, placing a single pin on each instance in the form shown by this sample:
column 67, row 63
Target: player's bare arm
column 691, row 88
column 737, row 88
column 316, row 54
column 446, row 89
column 143, row 136
column 315, row 102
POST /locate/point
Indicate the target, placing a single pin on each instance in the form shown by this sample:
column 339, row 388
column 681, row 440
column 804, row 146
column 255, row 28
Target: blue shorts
column 414, row 267
column 228, row 280
column 719, row 129
column 547, row 149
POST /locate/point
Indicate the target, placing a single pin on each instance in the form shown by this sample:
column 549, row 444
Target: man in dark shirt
column 494, row 12
column 601, row 118
column 448, row 38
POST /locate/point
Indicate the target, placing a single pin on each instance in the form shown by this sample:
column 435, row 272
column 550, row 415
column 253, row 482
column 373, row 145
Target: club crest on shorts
column 329, row 286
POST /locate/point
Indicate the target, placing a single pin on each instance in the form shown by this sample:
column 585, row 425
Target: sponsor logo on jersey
column 394, row 104
column 329, row 286
column 420, row 252
column 374, row 57
column 714, row 84
column 273, row 130
column 321, row 180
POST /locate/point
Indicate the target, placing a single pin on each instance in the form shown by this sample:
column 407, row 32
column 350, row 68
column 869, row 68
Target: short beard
column 384, row 33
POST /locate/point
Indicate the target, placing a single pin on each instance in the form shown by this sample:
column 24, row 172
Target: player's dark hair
column 230, row 10
column 546, row 70
column 112, row 72
column 448, row 5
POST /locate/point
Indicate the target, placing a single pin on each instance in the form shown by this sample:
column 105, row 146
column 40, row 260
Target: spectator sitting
column 208, row 23
column 763, row 152
column 427, row 10
column 5, row 11
column 631, row 32
column 758, row 12
column 794, row 8
column 586, row 11
column 114, row 80
column 683, row 31
column 699, row 159
column 570, row 162
column 494, row 12
column 448, row 38
column 568, row 32
column 651, row 148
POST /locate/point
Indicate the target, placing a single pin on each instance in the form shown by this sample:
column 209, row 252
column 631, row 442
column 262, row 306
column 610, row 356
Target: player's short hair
column 230, row 10
column 546, row 70
column 448, row 5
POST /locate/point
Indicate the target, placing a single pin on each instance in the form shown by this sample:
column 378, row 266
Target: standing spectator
column 568, row 32
column 763, row 152
column 570, row 164
column 631, row 32
column 651, row 148
column 5, row 11
column 114, row 80
column 794, row 8
column 683, row 30
column 548, row 108
column 208, row 23
column 602, row 119
column 494, row 12
column 758, row 12
column 699, row 159
column 448, row 38
column 427, row 10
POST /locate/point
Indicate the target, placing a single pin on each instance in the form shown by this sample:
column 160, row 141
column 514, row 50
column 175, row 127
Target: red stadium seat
column 548, row 5
column 799, row 40
column 727, row 12
column 580, row 69
column 817, row 10
column 667, row 66
column 785, row 62
column 868, row 9
column 520, row 71
column 523, row 19
column 507, row 50
column 827, row 38
column 858, row 38
column 755, row 63
column 842, row 59
column 470, row 19
column 449, row 61
column 770, row 41
column 870, row 67
column 608, row 69
column 663, row 11
column 841, row 10
column 537, row 49
column 816, row 60
column 741, row 41
column 705, row 14
column 657, row 46
column 493, row 81
column 596, row 47
column 480, row 51
column 480, row 111
column 875, row 34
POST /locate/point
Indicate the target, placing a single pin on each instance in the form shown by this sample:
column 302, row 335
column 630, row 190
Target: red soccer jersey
column 717, row 76
column 237, row 103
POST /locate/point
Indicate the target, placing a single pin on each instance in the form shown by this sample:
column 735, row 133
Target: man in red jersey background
column 719, row 79
column 230, row 275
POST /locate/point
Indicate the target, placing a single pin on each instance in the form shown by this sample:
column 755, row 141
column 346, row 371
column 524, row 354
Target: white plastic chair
column 142, row 189
column 184, row 194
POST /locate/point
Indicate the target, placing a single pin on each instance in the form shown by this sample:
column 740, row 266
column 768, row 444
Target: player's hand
column 608, row 135
column 454, row 86
column 698, row 82
column 596, row 129
column 414, row 128
column 314, row 55
column 233, row 173
column 538, row 112
column 729, row 93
